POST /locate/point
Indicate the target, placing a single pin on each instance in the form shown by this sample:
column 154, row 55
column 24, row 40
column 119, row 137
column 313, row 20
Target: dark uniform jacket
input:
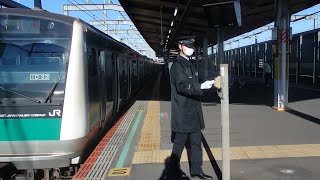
column 186, row 108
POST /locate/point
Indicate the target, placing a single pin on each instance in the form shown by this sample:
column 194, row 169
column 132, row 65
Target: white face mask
column 188, row 51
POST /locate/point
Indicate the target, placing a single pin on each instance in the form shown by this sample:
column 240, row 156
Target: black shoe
column 182, row 174
column 201, row 176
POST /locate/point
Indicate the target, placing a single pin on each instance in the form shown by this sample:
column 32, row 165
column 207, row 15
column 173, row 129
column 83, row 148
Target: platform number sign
column 120, row 172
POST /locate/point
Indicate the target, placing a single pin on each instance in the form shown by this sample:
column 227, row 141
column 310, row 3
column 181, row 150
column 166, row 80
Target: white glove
column 207, row 84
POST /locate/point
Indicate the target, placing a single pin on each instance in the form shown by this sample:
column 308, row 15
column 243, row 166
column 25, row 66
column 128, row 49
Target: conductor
column 187, row 118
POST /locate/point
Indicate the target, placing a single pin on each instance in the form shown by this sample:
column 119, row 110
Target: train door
column 102, row 87
column 109, row 84
column 93, row 84
column 129, row 62
column 135, row 80
column 137, row 73
column 120, row 77
column 142, row 71
column 116, row 92
column 123, row 79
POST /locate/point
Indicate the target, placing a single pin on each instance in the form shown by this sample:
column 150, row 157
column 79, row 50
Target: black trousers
column 192, row 142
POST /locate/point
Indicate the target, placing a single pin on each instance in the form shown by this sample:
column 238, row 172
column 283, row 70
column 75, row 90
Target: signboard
column 260, row 63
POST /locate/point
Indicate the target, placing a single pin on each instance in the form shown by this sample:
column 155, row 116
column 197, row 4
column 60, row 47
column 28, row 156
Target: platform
column 265, row 144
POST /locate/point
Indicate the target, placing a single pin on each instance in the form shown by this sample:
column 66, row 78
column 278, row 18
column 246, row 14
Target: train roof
column 63, row 19
column 39, row 14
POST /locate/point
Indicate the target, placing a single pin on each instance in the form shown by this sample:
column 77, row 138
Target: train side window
column 92, row 58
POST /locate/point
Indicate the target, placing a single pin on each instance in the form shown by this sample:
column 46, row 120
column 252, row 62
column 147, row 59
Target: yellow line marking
column 120, row 171
column 281, row 109
column 236, row 153
column 150, row 134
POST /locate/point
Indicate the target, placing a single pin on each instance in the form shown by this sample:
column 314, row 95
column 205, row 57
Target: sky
column 56, row 6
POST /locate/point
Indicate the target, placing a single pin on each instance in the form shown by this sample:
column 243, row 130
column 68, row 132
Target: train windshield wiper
column 14, row 92
column 51, row 91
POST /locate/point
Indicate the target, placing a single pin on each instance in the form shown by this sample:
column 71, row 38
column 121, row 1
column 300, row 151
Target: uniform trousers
column 192, row 142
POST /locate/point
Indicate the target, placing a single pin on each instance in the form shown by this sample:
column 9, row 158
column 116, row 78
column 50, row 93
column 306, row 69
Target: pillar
column 281, row 63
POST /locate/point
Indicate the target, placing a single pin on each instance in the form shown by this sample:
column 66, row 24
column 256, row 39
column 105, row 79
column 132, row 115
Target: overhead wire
column 305, row 16
column 139, row 35
column 92, row 15
column 103, row 13
column 84, row 10
column 121, row 37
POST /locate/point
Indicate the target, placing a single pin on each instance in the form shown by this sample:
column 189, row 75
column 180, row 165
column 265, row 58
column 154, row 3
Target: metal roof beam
column 111, row 22
column 137, row 43
column 149, row 12
column 138, row 38
column 159, row 3
column 306, row 17
column 92, row 7
column 122, row 32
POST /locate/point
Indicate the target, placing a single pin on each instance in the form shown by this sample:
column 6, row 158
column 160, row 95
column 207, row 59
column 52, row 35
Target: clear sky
column 56, row 6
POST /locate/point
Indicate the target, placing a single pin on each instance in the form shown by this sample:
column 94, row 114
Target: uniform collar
column 183, row 60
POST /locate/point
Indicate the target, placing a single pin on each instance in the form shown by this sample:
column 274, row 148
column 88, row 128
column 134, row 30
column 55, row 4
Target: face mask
column 188, row 51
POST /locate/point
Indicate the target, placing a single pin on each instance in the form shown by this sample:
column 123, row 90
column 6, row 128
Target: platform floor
column 265, row 143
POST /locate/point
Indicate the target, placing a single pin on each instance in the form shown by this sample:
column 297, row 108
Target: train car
column 304, row 60
column 304, row 64
column 62, row 81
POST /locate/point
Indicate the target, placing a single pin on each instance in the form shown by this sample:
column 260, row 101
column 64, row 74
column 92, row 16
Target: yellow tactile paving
column 148, row 150
column 285, row 147
column 237, row 153
column 251, row 148
column 150, row 135
column 269, row 148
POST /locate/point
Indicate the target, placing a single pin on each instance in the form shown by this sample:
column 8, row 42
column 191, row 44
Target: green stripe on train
column 27, row 129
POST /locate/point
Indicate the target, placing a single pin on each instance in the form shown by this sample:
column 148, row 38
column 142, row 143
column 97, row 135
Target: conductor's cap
column 187, row 41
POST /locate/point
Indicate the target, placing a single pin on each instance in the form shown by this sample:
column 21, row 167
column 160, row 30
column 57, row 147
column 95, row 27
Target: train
column 304, row 59
column 62, row 81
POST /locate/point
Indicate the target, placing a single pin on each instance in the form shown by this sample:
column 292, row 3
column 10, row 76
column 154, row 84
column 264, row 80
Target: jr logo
column 55, row 112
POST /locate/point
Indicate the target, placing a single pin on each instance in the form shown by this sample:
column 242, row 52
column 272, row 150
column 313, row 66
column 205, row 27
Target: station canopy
column 159, row 20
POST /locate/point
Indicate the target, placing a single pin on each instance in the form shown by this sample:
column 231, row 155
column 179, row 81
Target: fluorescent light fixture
column 168, row 36
column 175, row 11
column 169, row 31
column 171, row 23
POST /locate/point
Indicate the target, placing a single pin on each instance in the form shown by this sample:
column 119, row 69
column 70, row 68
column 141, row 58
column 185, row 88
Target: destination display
column 19, row 25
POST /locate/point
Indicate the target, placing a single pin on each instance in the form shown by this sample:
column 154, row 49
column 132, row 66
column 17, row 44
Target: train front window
column 33, row 56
